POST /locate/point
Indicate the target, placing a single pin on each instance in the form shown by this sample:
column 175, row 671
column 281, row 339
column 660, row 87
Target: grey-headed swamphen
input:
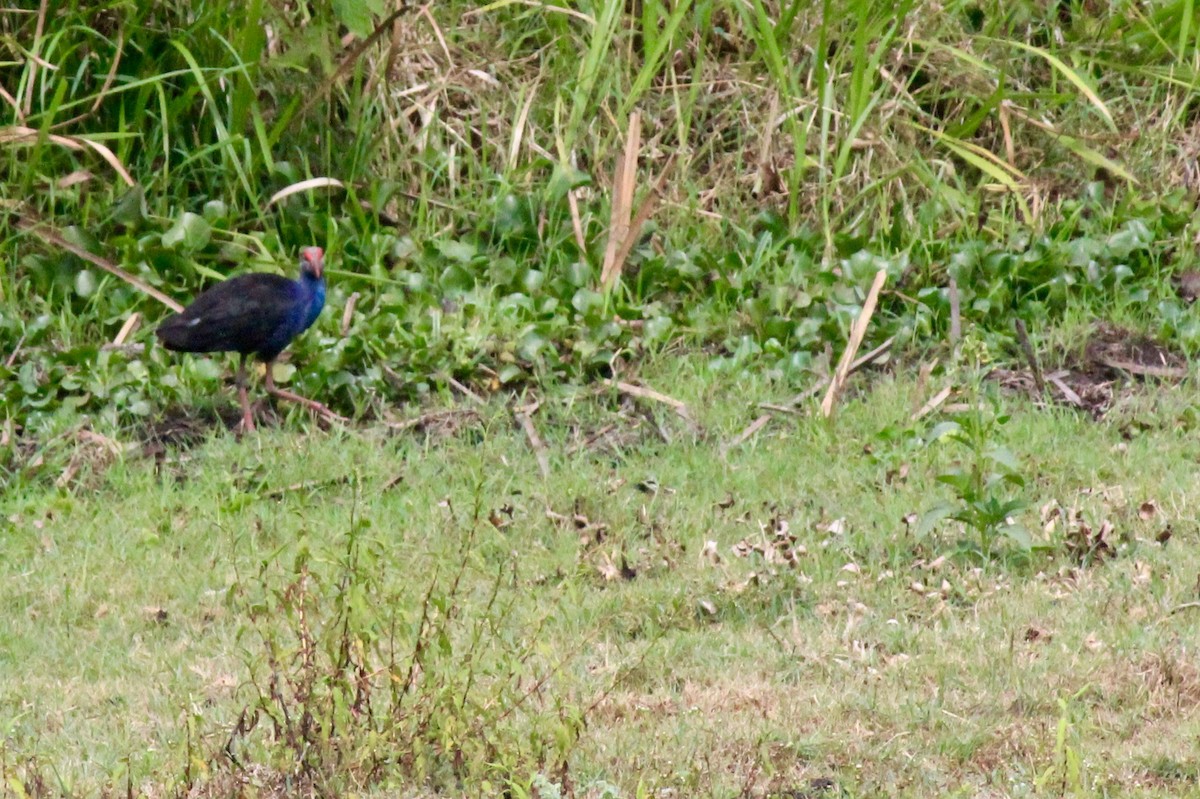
column 253, row 314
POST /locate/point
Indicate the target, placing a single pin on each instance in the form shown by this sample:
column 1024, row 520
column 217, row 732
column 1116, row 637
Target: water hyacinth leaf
column 456, row 250
column 215, row 210
column 190, row 233
column 85, row 283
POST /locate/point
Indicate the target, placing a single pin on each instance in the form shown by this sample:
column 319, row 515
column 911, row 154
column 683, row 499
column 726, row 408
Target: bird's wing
column 241, row 314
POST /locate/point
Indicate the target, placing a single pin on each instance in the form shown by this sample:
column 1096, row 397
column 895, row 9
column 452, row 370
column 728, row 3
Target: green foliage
column 360, row 685
column 1066, row 775
column 474, row 216
column 983, row 483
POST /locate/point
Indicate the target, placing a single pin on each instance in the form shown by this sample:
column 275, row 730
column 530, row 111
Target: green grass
column 378, row 610
column 144, row 606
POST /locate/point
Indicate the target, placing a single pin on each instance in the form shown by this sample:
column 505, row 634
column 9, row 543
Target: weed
column 360, row 685
column 983, row 482
column 1065, row 776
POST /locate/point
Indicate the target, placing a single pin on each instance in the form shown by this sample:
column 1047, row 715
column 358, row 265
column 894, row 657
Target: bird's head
column 312, row 261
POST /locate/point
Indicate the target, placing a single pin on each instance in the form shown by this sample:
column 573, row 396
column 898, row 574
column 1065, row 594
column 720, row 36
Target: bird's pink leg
column 247, row 417
column 312, row 405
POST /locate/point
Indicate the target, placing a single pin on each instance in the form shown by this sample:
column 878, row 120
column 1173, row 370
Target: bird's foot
column 246, row 425
column 314, row 406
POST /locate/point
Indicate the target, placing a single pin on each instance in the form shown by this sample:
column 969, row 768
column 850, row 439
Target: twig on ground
column 1068, row 393
column 592, row 439
column 812, row 391
column 748, row 433
column 934, row 403
column 427, row 419
column 873, row 355
column 770, row 406
column 524, row 416
column 1144, row 370
column 307, row 485
column 641, row 392
column 466, row 392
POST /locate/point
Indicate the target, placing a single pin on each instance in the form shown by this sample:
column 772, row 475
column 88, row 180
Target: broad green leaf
column 932, row 517
column 357, row 15
column 944, row 429
column 1018, row 535
column 85, row 282
column 456, row 250
column 190, row 232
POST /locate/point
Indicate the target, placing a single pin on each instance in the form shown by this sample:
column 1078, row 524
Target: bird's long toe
column 312, row 405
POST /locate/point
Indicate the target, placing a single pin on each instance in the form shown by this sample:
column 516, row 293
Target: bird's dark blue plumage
column 256, row 314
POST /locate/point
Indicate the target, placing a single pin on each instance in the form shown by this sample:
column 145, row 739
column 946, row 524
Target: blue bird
column 254, row 314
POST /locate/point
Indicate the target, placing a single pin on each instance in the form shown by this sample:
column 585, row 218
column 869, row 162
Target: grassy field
column 590, row 267
column 421, row 612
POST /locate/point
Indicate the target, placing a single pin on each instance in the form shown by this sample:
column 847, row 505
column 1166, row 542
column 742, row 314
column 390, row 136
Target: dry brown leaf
column 1035, row 634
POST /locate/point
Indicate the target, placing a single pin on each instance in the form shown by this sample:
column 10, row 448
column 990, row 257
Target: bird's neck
column 313, row 291
column 314, row 288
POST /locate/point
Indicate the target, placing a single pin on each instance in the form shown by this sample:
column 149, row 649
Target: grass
column 384, row 610
column 622, row 649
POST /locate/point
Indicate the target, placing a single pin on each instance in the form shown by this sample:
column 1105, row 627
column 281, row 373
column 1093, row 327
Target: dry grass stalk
column 576, row 222
column 51, row 237
column 955, row 314
column 19, row 134
column 643, row 216
column 857, row 332
column 305, row 185
column 127, row 329
column 37, row 43
column 518, row 132
column 348, row 314
column 348, row 61
column 766, row 178
column 622, row 201
column 923, row 375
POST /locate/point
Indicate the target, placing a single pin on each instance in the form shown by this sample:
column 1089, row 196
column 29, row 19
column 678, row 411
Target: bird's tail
column 181, row 334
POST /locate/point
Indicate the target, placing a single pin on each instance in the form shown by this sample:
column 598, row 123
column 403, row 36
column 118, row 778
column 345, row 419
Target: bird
column 255, row 314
